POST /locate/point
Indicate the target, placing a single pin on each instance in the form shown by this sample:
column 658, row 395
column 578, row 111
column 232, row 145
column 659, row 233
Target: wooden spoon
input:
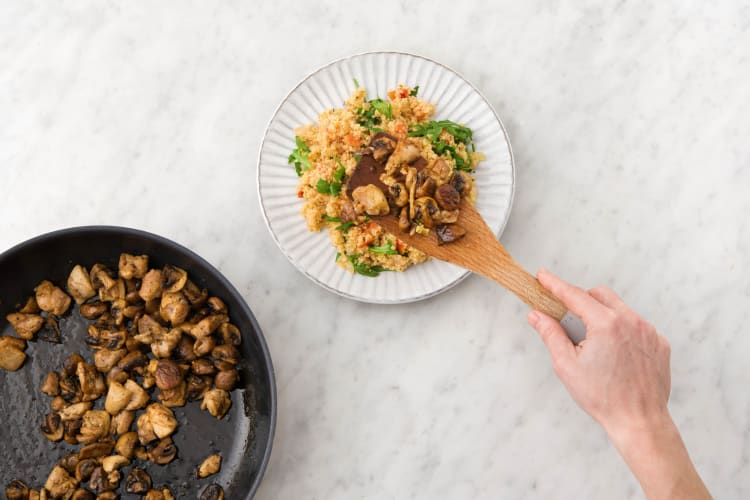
column 478, row 251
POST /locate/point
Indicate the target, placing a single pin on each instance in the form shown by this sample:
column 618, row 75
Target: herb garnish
column 365, row 269
column 432, row 130
column 344, row 227
column 414, row 91
column 387, row 249
column 356, row 83
column 367, row 117
column 299, row 156
column 334, row 187
column 382, row 107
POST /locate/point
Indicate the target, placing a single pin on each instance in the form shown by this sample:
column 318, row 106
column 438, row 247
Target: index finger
column 578, row 301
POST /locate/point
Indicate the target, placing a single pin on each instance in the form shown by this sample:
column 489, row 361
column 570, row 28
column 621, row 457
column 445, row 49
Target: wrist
column 642, row 433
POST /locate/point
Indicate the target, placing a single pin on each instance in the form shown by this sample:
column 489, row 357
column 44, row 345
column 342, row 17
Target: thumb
column 554, row 337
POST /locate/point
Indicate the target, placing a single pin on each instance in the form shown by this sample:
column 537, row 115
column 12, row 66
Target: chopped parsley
column 432, row 130
column 367, row 117
column 331, row 219
column 356, row 83
column 382, row 107
column 300, row 156
column 333, row 187
column 387, row 249
column 345, row 227
column 414, row 91
column 365, row 269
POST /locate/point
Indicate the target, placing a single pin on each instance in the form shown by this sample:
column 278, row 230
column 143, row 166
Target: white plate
column 454, row 98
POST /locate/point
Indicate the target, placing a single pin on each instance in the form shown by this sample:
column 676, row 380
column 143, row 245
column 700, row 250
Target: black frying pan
column 243, row 437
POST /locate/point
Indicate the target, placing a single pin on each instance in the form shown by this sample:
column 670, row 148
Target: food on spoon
column 418, row 158
column 147, row 329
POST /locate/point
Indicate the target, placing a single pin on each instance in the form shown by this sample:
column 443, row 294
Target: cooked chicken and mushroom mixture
column 427, row 170
column 159, row 341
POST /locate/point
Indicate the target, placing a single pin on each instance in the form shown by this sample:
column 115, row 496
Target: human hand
column 620, row 373
column 620, row 376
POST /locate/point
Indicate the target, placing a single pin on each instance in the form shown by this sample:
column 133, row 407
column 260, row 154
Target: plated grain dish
column 428, row 169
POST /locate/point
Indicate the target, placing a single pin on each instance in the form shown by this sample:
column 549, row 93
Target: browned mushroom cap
column 69, row 462
column 168, row 374
column 85, row 468
column 93, row 310
column 216, row 305
column 230, row 334
column 445, row 217
column 184, row 350
column 173, row 278
column 132, row 360
column 59, row 483
column 196, row 387
column 70, row 391
column 90, row 381
column 174, row 307
column 52, row 427
column 370, row 200
column 382, row 145
column 132, row 266
column 226, row 379
column 138, row 481
column 79, row 284
column 71, row 428
column 163, row 453
column 225, row 353
column 217, row 402
column 461, row 181
column 425, row 184
column 195, row 295
column 102, row 481
column 204, row 345
column 448, row 233
column 126, row 444
column 98, row 449
column 51, row 298
column 17, row 490
column 399, row 194
column 207, row 325
column 209, row 466
column 447, row 197
column 25, row 324
column 11, row 357
column 212, row 492
column 151, row 285
column 70, row 365
column 82, row 494
column 105, row 338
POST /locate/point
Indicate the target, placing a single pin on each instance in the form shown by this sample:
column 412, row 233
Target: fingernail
column 533, row 318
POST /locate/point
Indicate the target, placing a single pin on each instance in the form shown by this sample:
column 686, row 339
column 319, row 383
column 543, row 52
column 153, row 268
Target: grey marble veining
column 629, row 122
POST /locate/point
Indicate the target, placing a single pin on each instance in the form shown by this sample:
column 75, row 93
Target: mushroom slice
column 132, row 361
column 382, row 145
column 82, row 494
column 448, row 233
column 225, row 354
column 424, row 209
column 399, row 194
column 88, row 380
column 212, row 492
column 132, row 266
column 163, row 453
column 52, row 427
column 446, row 216
column 151, row 285
column 230, row 334
column 102, row 481
column 197, row 387
column 85, row 468
column 209, row 466
column 51, row 385
column 17, row 490
column 173, row 278
column 217, row 402
column 11, row 357
column 117, row 399
column 162, row 420
column 195, row 295
column 204, row 345
column 120, row 423
column 51, row 298
column 174, row 307
column 126, row 444
column 461, row 182
column 71, row 429
column 98, row 449
column 114, row 462
column 59, row 483
column 95, row 425
column 50, row 332
column 75, row 411
column 79, row 284
column 139, row 397
column 425, row 184
column 69, row 462
column 168, row 374
column 370, row 199
column 93, row 310
column 25, row 324
column 138, row 481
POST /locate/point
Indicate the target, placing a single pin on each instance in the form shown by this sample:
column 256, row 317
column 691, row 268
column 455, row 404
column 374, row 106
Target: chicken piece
column 209, row 466
column 132, row 266
column 217, row 402
column 75, row 411
column 370, row 199
column 79, row 285
column 114, row 462
column 208, row 325
column 120, row 423
column 165, row 342
column 162, row 420
column 95, row 425
column 139, row 397
column 117, row 399
column 146, row 432
column 11, row 357
column 148, row 329
column 51, row 298
column 25, row 324
column 174, row 307
column 59, row 483
column 151, row 285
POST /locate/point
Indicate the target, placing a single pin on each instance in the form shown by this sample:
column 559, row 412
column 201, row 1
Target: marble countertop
column 630, row 124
